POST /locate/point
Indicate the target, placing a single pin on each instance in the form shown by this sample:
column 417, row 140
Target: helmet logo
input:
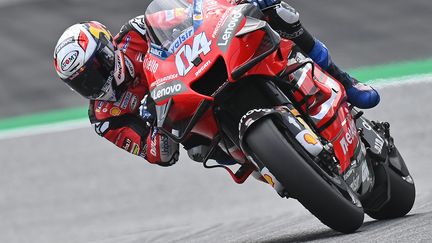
column 96, row 31
column 69, row 60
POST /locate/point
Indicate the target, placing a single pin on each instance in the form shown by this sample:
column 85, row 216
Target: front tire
column 301, row 181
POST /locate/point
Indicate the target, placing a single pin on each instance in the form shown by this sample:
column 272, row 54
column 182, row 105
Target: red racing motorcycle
column 221, row 75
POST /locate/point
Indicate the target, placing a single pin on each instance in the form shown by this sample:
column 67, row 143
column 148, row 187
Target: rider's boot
column 360, row 95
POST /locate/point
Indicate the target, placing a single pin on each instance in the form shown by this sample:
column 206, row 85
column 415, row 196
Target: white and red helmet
column 84, row 59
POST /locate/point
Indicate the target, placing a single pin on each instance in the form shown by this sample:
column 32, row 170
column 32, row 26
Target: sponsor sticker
column 119, row 68
column 348, row 138
column 100, row 104
column 379, row 144
column 127, row 144
column 269, row 180
column 252, row 116
column 115, row 111
column 198, row 17
column 212, row 7
column 151, row 65
column 162, row 80
column 64, row 43
column 130, row 66
column 126, row 100
column 230, row 27
column 157, row 51
column 118, row 102
column 165, row 91
column 135, row 149
column 220, row 23
column 206, row 65
column 133, row 103
column 126, row 45
column 181, row 39
column 153, row 147
column 310, row 139
column 69, row 60
column 198, row 13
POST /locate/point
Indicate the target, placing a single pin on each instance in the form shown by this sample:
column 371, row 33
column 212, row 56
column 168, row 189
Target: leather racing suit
column 120, row 122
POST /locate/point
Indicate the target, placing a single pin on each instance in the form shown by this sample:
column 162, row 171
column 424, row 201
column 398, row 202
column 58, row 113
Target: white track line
column 45, row 129
column 84, row 123
column 402, row 81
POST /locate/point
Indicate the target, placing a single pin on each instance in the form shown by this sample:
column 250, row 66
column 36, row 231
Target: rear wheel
column 401, row 191
column 321, row 197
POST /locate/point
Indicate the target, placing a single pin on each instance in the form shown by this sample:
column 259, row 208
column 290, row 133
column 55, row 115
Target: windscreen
column 170, row 23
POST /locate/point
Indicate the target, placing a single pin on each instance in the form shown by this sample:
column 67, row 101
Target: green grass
column 43, row 118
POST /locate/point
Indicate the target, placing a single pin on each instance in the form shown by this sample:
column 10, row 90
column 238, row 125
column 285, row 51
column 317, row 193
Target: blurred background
column 358, row 33
column 73, row 186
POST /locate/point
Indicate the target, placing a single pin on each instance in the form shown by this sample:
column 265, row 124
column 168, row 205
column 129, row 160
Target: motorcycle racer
column 109, row 71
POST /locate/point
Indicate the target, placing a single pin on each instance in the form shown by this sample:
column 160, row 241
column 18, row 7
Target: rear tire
column 301, row 181
column 402, row 197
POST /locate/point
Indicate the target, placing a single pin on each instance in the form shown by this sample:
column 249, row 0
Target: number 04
column 186, row 54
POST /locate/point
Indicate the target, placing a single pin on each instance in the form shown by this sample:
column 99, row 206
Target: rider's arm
column 121, row 124
column 131, row 133
column 126, row 131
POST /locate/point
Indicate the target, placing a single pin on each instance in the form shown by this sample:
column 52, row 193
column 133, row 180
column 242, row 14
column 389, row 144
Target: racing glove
column 147, row 110
column 159, row 149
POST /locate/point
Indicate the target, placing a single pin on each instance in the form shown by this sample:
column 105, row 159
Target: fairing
column 182, row 54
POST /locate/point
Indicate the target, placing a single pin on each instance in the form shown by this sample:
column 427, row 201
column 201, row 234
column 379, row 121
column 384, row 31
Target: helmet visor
column 92, row 79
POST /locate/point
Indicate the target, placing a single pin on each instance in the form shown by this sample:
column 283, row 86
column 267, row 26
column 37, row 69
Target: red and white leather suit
column 119, row 121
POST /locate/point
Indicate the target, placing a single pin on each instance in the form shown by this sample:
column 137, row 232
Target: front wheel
column 270, row 146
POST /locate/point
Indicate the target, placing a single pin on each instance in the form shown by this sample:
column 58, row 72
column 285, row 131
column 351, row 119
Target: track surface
column 55, row 189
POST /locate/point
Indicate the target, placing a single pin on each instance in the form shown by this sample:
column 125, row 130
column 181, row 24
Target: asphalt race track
column 74, row 187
